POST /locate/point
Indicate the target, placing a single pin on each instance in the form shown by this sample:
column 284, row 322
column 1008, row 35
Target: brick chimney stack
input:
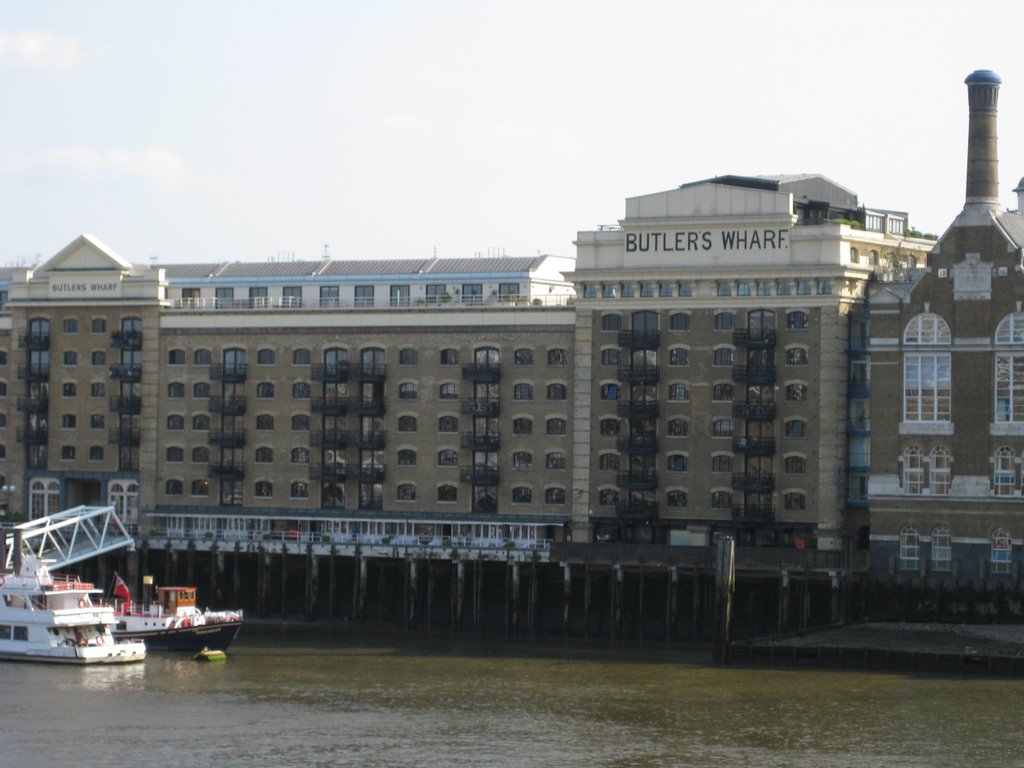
column 982, row 142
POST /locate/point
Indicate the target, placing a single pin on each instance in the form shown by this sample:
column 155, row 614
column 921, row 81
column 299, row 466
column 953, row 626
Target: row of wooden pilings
column 523, row 595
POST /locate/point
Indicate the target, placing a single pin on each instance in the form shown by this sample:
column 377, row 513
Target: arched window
column 523, row 356
column 447, row 493
column 300, row 422
column 175, row 454
column 175, row 422
column 202, row 357
column 265, row 357
column 555, row 460
column 407, row 390
column 1002, row 551
column 174, row 487
column 796, row 392
column 721, row 428
column 610, row 426
column 448, row 424
column 794, row 501
column 406, row 423
column 1004, row 472
column 942, row 549
column 556, row 426
column 408, row 356
column 796, row 321
column 300, row 390
column 608, row 462
column 522, row 460
column 176, row 389
column 449, row 390
column 264, row 422
column 558, row 357
column 263, row 489
column 796, row 429
column 449, row 357
column 723, row 356
column 201, row 390
column 265, row 390
column 678, row 392
column 406, row 492
column 796, row 356
column 721, row 500
column 201, row 422
column 300, row 455
column 125, row 498
column 522, row 494
column 722, row 392
column 557, row 392
column 608, row 497
column 176, row 357
column 794, row 465
column 1009, row 370
column 940, row 480
column 447, row 457
column 44, row 495
column 611, row 322
column 721, row 463
column 554, row 495
column 522, row 425
column 913, row 470
column 679, row 427
column 679, row 356
column 264, row 454
column 927, row 328
column 910, row 549
column 610, row 391
column 522, row 391
column 200, row 455
column 407, row 457
column 680, row 321
column 299, row 489
column 676, row 499
column 725, row 321
column 302, row 357
column 677, row 462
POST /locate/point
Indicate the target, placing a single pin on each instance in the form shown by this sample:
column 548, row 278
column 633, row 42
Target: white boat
column 52, row 617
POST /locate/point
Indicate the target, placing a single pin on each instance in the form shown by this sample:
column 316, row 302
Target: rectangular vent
column 943, row 272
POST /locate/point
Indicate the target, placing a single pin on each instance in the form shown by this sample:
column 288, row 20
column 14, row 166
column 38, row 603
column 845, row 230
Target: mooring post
column 783, row 599
column 586, row 601
column 478, row 578
column 284, row 582
column 190, row 562
column 671, row 604
column 805, row 613
column 411, row 619
column 617, row 584
column 725, row 584
column 638, row 620
column 696, row 603
column 361, row 577
column 532, row 608
column 357, row 577
column 311, row 582
column 262, row 582
column 236, row 576
column 170, row 559
column 215, row 595
column 458, row 594
column 566, row 596
column 837, row 614
column 515, row 598
column 332, row 587
column 430, row 592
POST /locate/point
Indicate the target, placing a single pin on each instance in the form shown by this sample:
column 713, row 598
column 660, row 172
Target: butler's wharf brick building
column 688, row 374
column 947, row 387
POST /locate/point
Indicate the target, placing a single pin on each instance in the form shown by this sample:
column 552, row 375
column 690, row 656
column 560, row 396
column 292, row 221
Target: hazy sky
column 216, row 130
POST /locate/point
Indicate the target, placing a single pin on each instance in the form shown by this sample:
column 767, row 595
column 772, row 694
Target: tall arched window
column 927, row 375
column 1004, row 471
column 1002, row 551
column 913, row 470
column 910, row 549
column 1009, row 369
column 942, row 549
column 940, row 480
column 44, row 498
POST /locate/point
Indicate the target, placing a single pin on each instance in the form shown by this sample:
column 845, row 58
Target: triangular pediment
column 85, row 254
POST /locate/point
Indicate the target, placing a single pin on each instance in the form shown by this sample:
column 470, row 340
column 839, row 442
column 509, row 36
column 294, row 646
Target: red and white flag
column 121, row 590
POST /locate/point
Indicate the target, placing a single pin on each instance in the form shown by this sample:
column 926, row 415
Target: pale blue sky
column 202, row 131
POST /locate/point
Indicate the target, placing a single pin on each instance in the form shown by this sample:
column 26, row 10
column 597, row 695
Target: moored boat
column 173, row 622
column 52, row 618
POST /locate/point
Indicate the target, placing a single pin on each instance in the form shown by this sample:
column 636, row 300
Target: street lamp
column 7, row 490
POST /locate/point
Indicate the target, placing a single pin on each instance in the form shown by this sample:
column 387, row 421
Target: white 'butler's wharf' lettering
column 705, row 240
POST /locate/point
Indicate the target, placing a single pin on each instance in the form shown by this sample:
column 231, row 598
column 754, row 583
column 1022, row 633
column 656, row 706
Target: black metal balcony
column 489, row 407
column 129, row 340
column 639, row 339
column 482, row 373
column 127, row 405
column 368, row 406
column 754, row 338
column 330, row 406
column 227, row 470
column 479, row 475
column 229, row 406
column 753, row 482
column 329, row 438
column 640, row 374
column 34, row 341
column 754, row 411
column 753, row 513
column 230, row 373
column 370, row 372
column 371, row 473
column 33, row 435
column 637, row 409
column 755, row 373
column 371, row 441
column 328, row 473
column 129, row 436
column 645, row 479
column 489, row 441
column 638, row 444
column 34, row 372
column 332, row 373
column 634, row 509
column 227, row 438
column 40, row 404
column 754, row 446
column 126, row 372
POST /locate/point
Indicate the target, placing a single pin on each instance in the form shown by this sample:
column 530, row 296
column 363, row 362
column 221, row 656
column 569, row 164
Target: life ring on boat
column 186, row 622
column 101, row 640
column 83, row 603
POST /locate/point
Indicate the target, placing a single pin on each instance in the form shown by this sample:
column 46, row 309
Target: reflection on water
column 310, row 696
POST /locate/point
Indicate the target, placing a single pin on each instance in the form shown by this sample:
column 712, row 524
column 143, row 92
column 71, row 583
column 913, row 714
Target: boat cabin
column 170, row 599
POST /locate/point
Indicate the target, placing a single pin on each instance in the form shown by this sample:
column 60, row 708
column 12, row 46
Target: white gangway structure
column 68, row 537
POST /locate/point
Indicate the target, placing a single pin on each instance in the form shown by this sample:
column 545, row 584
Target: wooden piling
column 566, row 596
column 725, row 584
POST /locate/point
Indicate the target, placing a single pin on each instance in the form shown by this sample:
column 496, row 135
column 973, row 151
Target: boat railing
column 315, row 537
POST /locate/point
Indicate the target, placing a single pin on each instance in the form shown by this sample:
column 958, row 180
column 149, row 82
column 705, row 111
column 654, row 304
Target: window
column 611, row 322
column 522, row 460
column 175, row 421
column 589, row 291
column 435, row 293
column 300, row 422
column 680, row 321
column 201, row 422
column 794, row 501
column 448, row 424
column 224, row 293
column 913, row 470
column 176, row 389
column 824, row 287
column 556, row 426
column 299, row 490
column 449, row 357
column 608, row 497
column 448, row 457
column 685, row 289
column 608, row 462
column 942, row 550
column 98, row 389
column 743, row 288
column 70, row 325
column 523, row 356
column 725, row 321
column 176, row 357
column 69, row 389
column 941, row 477
column 665, row 290
column 558, row 357
column 265, row 357
column 796, row 356
column 405, row 492
column 200, row 487
column 610, row 356
column 96, row 453
column 927, row 387
column 264, row 422
column 300, row 455
column 67, row 453
column 407, row 356
column 554, row 495
column 910, row 549
column 782, row 288
column 97, row 421
column 929, row 328
column 794, row 465
column 522, row 391
column 721, row 428
column 265, row 390
column 448, row 391
column 677, row 392
column 472, row 293
column 264, row 455
column 628, row 290
column 201, row 390
column 610, row 427
column 609, row 391
column 723, row 289
column 803, row 287
column 557, row 392
column 407, row 457
column 99, row 325
column 646, row 290
column 677, row 462
column 796, row 392
column 1002, row 550
column 522, row 495
column 721, row 500
column 678, row 427
column 406, row 423
column 1004, row 472
column 723, row 356
column 555, row 460
column 363, row 295
column 99, row 357
column 200, row 455
column 447, row 493
column 508, row 291
column 407, row 390
column 174, row 488
column 291, row 296
column 721, row 463
column 764, row 288
column 263, row 489
column 679, row 356
column 796, row 321
column 523, row 425
column 676, row 499
column 722, row 392
column 302, row 357
column 796, row 428
column 202, row 357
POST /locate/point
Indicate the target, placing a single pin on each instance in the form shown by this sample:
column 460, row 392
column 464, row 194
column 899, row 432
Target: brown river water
column 313, row 696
